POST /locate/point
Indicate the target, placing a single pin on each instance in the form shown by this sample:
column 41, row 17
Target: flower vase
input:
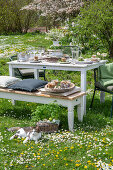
column 56, row 43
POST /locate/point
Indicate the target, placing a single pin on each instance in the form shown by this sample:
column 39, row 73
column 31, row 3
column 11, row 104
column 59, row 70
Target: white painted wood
column 56, row 66
column 46, row 99
column 80, row 110
column 83, row 68
column 11, row 71
column 71, row 117
column 83, row 87
column 36, row 74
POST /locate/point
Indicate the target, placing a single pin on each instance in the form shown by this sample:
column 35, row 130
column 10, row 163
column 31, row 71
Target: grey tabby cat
column 29, row 133
column 35, row 133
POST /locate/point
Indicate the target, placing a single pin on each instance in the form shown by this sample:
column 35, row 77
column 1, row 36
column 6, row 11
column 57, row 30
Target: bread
column 63, row 59
column 35, row 58
column 56, row 82
column 51, row 85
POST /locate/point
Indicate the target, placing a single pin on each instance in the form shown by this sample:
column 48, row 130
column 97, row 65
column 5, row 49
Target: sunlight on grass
column 67, row 150
column 89, row 147
column 10, row 45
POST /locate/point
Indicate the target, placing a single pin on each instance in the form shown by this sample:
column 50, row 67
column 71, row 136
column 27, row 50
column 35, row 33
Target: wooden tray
column 62, row 90
column 75, row 90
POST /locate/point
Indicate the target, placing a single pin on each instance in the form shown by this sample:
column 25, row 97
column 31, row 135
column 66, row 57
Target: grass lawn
column 89, row 147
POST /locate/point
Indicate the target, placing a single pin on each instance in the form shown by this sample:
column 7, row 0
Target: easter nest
column 59, row 89
column 47, row 127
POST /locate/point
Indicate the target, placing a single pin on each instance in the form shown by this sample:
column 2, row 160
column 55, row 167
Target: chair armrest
column 14, row 57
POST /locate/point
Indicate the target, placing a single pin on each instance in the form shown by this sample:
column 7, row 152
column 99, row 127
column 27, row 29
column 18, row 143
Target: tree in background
column 12, row 19
column 93, row 27
column 55, row 11
column 51, row 7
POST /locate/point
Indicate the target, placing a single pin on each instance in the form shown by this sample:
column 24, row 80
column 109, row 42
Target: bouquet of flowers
column 55, row 34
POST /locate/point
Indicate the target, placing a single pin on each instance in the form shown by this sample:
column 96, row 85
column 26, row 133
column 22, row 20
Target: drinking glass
column 75, row 55
column 41, row 51
column 21, row 56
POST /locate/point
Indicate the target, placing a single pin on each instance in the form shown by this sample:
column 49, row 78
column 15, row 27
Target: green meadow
column 90, row 146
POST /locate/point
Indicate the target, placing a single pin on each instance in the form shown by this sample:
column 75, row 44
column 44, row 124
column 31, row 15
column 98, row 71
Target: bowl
column 59, row 90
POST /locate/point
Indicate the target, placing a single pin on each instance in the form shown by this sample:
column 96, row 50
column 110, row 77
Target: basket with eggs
column 56, row 86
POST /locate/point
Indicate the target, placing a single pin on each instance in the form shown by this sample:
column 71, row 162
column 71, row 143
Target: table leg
column 36, row 74
column 12, row 74
column 71, row 117
column 83, row 88
column 80, row 110
column 11, row 71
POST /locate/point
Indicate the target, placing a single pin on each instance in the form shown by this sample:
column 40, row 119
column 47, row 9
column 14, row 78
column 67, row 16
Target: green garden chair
column 103, row 81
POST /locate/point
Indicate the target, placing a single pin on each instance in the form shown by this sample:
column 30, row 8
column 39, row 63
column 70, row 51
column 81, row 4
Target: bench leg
column 70, row 117
column 80, row 110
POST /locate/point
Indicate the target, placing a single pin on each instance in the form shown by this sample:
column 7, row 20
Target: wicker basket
column 61, row 90
column 47, row 127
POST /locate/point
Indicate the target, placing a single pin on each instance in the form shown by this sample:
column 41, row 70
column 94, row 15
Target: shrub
column 46, row 111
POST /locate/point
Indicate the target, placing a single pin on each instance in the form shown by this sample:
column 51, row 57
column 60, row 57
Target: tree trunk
column 111, row 50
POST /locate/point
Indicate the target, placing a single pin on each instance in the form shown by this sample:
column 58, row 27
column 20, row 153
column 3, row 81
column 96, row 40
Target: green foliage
column 21, row 110
column 77, row 150
column 66, row 39
column 3, row 66
column 83, row 149
column 45, row 111
column 12, row 19
column 93, row 27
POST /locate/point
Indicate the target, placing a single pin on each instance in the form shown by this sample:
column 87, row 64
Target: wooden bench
column 37, row 97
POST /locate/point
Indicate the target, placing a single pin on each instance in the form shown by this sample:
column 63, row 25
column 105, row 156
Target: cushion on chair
column 103, row 88
column 106, row 82
column 27, row 72
column 6, row 81
column 106, row 71
column 28, row 85
column 106, row 74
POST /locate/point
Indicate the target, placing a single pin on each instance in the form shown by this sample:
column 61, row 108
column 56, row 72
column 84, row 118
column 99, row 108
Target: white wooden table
column 83, row 68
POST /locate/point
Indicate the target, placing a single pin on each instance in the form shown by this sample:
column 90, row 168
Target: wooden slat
column 37, row 93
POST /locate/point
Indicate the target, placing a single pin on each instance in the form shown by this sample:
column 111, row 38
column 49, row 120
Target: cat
column 29, row 133
column 35, row 133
